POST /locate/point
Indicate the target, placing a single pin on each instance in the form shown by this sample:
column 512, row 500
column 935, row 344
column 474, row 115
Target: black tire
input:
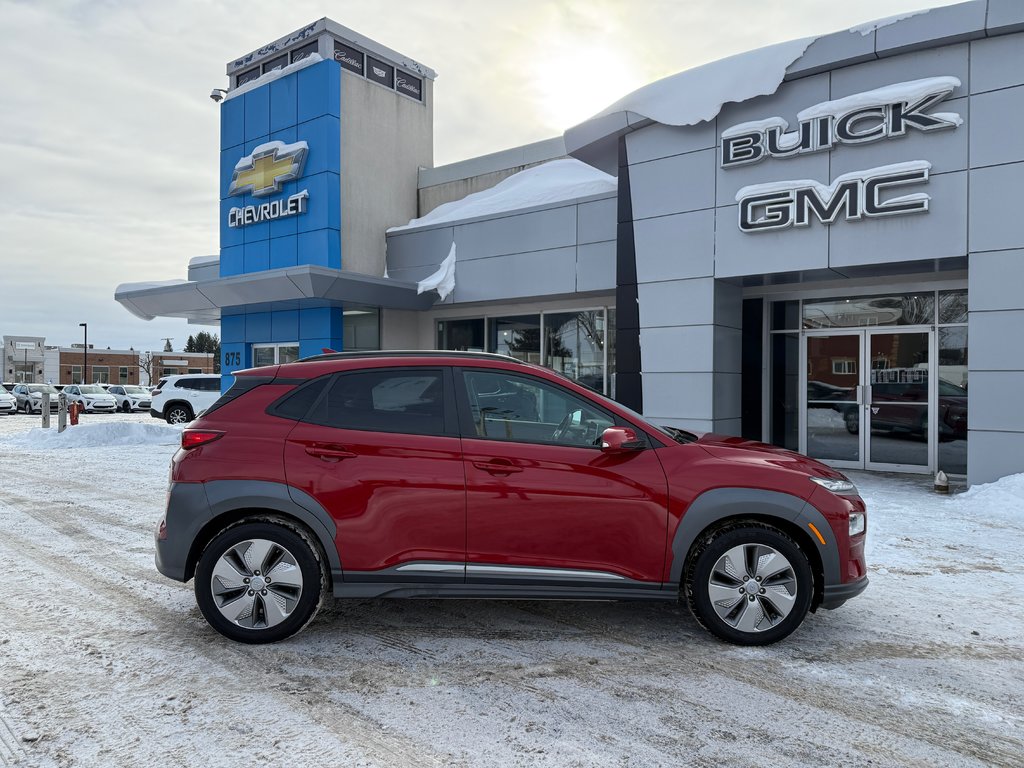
column 301, row 607
column 755, row 539
column 126, row 406
column 178, row 414
column 852, row 422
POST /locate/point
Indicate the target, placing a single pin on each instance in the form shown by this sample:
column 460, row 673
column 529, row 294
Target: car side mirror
column 620, row 440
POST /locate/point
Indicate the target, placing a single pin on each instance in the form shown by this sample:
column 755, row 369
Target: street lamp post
column 85, row 354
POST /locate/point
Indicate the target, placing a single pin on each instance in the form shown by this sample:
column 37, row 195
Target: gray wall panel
column 952, row 23
column 951, row 60
column 738, row 253
column 995, row 279
column 657, row 141
column 1005, row 15
column 537, row 273
column 675, row 247
column 997, row 62
column 676, row 302
column 536, row 231
column 597, row 221
column 417, row 248
column 669, row 186
column 946, row 150
column 730, row 181
column 995, row 215
column 991, row 455
column 938, row 233
column 995, row 340
column 995, row 401
column 595, row 267
column 727, row 396
column 996, row 127
column 678, row 395
column 684, row 349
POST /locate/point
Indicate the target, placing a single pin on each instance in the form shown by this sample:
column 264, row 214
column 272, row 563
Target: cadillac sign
column 884, row 113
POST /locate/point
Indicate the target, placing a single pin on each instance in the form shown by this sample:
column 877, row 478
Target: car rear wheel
column 179, row 414
column 260, row 582
column 749, row 584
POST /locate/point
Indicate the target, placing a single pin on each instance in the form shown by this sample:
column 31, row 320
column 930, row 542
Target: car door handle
column 327, row 452
column 497, row 466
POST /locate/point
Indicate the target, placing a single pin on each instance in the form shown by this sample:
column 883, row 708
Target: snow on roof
column 274, row 74
column 197, row 261
column 697, row 95
column 869, row 27
column 550, row 182
column 147, row 285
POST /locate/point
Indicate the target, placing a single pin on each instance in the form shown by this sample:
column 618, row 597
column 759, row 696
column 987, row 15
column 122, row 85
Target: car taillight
column 193, row 438
column 156, row 392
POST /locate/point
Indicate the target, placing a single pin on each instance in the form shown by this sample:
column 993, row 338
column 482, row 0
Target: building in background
column 815, row 244
column 23, row 359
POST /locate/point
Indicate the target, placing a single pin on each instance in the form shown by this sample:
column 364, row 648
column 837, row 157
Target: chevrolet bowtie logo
column 268, row 167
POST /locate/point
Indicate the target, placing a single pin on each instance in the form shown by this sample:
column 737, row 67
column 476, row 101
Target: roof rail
column 409, row 353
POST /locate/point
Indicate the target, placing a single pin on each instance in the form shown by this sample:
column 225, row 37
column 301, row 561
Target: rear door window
column 409, row 401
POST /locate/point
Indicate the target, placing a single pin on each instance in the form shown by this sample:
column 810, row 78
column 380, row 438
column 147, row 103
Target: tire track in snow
column 11, row 749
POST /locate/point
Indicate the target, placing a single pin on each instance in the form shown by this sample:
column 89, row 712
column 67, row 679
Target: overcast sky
column 109, row 142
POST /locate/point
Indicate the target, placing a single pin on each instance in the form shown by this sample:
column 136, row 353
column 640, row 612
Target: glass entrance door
column 868, row 399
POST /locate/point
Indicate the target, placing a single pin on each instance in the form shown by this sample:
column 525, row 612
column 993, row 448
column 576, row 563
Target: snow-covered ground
column 103, row 662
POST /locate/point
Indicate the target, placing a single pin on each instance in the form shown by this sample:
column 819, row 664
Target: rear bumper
column 188, row 510
column 837, row 594
column 155, row 413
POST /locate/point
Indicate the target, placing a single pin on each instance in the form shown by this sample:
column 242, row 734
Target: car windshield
column 136, row 390
column 92, row 389
column 43, row 388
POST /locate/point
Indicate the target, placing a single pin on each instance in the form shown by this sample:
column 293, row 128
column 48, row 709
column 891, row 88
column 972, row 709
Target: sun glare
column 578, row 78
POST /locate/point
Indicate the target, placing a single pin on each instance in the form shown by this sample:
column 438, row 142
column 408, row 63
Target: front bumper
column 837, row 594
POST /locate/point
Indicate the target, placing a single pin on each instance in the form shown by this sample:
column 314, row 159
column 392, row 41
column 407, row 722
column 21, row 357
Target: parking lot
column 104, row 662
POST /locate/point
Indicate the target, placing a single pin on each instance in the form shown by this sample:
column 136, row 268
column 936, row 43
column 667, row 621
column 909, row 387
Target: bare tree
column 146, row 366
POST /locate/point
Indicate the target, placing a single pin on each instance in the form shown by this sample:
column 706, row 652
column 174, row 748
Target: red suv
column 446, row 474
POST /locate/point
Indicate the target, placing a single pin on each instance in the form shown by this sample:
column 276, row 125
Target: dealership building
column 816, row 244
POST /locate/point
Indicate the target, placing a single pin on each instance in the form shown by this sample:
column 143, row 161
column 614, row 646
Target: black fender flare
column 714, row 506
column 229, row 496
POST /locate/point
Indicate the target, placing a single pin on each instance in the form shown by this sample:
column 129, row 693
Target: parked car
column 8, row 402
column 131, row 397
column 30, row 397
column 179, row 399
column 93, row 398
column 902, row 408
column 469, row 475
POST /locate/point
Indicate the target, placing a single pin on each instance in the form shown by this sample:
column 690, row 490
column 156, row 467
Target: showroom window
column 274, row 354
column 76, row 374
column 122, row 374
column 361, row 329
column 100, row 374
column 579, row 344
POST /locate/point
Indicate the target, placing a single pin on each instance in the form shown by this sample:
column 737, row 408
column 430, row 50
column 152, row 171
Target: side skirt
column 440, row 590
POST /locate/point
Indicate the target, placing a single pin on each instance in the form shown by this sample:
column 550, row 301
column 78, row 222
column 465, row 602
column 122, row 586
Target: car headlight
column 834, row 485
column 857, row 523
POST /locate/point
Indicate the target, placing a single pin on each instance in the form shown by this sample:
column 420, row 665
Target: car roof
column 318, row 365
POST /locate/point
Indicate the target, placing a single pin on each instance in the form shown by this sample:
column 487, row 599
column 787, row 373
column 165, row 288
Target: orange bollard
column 73, row 410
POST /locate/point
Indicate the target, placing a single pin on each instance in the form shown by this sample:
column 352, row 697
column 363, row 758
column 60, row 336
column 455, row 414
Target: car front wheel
column 126, row 407
column 260, row 582
column 179, row 414
column 749, row 584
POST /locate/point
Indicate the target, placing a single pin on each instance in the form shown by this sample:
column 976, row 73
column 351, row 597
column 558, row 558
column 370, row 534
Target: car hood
column 752, row 451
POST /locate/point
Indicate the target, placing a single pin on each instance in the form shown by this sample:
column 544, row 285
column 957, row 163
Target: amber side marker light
column 193, row 438
column 817, row 533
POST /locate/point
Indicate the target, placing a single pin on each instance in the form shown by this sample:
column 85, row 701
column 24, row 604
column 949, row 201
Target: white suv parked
column 179, row 399
column 131, row 397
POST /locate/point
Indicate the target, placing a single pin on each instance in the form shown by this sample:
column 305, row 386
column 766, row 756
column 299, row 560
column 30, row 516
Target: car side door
column 379, row 450
column 544, row 502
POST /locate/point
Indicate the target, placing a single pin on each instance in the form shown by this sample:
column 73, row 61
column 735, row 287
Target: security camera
column 218, row 94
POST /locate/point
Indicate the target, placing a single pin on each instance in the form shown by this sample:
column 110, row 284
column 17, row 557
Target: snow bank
column 697, row 95
column 551, row 182
column 96, row 436
column 1003, row 499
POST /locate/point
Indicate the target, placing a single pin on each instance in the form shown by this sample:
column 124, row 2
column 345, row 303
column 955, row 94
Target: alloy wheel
column 256, row 584
column 752, row 587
